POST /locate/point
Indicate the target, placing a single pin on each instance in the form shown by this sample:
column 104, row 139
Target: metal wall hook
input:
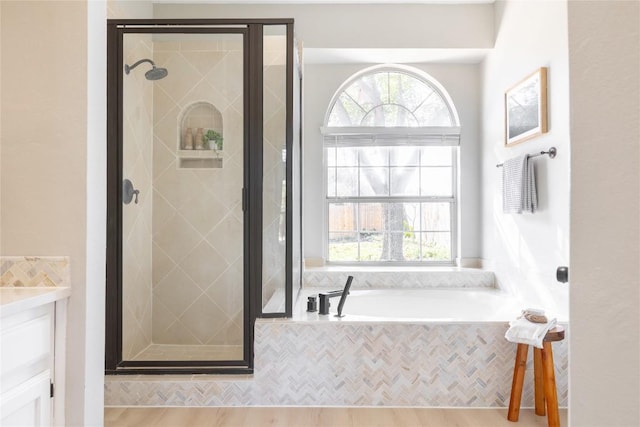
column 128, row 192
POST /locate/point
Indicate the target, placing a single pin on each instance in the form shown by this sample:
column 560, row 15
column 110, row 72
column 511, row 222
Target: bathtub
column 417, row 305
column 399, row 347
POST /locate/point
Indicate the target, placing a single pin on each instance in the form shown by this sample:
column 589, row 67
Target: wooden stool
column 544, row 379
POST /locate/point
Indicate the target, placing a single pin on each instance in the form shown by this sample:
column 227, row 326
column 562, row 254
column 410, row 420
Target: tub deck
column 415, row 305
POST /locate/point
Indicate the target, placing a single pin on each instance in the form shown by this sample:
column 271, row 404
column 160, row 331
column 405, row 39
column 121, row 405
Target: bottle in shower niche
column 199, row 145
column 188, row 140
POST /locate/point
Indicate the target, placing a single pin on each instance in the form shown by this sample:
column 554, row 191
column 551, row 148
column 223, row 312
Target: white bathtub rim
column 301, row 315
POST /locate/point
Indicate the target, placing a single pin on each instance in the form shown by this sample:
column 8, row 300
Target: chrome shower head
column 155, row 73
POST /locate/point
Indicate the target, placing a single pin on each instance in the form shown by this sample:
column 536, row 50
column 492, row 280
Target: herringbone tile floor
column 315, row 417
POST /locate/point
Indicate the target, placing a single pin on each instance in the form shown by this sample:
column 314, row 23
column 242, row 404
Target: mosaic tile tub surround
column 34, row 271
column 384, row 278
column 360, row 364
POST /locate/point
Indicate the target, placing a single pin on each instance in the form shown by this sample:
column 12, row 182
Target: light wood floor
column 330, row 417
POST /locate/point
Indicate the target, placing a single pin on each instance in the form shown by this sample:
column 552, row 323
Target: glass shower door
column 183, row 279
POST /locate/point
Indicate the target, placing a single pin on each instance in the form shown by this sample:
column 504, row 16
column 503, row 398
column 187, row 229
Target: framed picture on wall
column 526, row 108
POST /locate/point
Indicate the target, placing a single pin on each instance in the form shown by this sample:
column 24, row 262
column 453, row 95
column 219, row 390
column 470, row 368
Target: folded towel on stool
column 523, row 331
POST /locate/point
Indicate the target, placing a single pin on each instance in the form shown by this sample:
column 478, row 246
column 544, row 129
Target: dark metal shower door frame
column 252, row 31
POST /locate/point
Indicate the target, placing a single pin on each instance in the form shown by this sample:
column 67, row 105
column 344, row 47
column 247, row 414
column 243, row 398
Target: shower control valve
column 128, row 192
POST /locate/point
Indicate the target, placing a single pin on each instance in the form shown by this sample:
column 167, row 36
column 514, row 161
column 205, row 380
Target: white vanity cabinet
column 32, row 358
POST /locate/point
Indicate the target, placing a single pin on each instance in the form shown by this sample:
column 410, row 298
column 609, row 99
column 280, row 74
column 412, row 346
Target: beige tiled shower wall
column 197, row 216
column 136, row 217
column 274, row 173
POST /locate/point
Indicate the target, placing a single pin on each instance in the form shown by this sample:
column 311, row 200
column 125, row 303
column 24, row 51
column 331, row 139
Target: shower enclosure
column 203, row 190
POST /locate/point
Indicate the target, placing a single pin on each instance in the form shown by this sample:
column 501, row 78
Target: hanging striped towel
column 519, row 185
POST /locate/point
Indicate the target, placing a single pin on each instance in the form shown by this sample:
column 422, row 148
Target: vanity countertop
column 14, row 300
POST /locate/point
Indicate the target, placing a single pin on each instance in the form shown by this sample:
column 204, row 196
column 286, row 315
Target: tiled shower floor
column 190, row 352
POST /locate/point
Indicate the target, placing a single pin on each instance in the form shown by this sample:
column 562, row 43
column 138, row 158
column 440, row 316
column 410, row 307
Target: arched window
column 390, row 140
column 391, row 97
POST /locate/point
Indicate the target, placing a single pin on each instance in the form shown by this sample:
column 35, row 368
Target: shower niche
column 212, row 144
column 201, row 137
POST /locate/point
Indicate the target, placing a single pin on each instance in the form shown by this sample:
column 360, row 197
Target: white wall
column 604, row 52
column 129, row 9
column 320, row 84
column 96, row 216
column 362, row 25
column 524, row 250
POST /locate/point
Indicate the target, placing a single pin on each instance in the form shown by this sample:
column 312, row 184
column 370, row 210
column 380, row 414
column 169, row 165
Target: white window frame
column 425, row 136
